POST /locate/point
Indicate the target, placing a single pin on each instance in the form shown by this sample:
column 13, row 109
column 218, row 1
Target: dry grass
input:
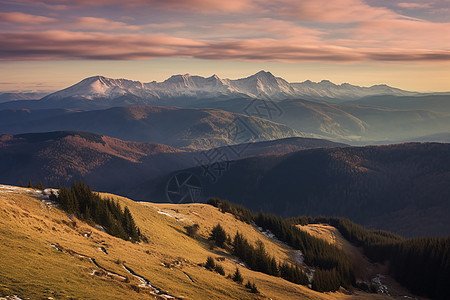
column 363, row 267
column 31, row 268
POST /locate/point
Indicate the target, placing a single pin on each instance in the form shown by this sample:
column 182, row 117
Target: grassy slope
column 364, row 269
column 30, row 267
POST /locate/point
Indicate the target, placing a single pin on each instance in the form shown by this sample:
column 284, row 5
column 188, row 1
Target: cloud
column 405, row 34
column 171, row 5
column 270, row 27
column 414, row 5
column 64, row 45
column 22, row 18
column 101, row 24
column 336, row 11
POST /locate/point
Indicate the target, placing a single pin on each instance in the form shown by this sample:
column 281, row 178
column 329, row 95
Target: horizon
column 208, row 76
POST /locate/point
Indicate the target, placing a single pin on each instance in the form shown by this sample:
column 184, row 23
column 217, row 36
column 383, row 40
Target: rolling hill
column 437, row 103
column 348, row 123
column 401, row 188
column 62, row 256
column 176, row 127
column 111, row 164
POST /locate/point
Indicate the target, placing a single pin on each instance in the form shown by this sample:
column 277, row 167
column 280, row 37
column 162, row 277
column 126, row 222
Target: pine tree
column 40, row 186
column 218, row 235
column 237, row 276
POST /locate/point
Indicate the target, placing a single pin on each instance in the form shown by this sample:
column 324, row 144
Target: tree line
column 332, row 265
column 80, row 201
column 257, row 258
column 420, row 264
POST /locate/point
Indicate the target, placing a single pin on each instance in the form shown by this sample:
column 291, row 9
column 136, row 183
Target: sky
column 49, row 45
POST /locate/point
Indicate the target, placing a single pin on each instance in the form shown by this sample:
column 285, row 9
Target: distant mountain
column 443, row 137
column 328, row 91
column 384, row 114
column 403, row 188
column 107, row 91
column 99, row 91
column 5, row 97
column 111, row 164
column 177, row 127
column 437, row 103
column 206, row 128
column 347, row 123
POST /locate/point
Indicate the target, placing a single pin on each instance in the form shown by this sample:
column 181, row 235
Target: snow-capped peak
column 260, row 85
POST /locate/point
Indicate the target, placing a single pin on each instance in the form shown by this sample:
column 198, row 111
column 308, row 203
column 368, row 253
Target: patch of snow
column 144, row 282
column 16, row 188
column 99, row 227
column 299, row 258
column 103, row 250
column 13, row 297
column 266, row 233
column 55, row 247
column 165, row 213
column 383, row 289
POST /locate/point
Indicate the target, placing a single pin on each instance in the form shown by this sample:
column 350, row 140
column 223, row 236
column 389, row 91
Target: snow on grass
column 165, row 213
column 13, row 297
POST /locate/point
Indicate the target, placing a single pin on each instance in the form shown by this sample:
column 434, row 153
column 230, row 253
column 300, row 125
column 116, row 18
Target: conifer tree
column 237, row 276
column 218, row 235
column 40, row 186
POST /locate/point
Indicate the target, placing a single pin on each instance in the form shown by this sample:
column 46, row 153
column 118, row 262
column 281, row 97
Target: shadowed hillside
column 111, row 164
column 176, row 127
column 403, row 188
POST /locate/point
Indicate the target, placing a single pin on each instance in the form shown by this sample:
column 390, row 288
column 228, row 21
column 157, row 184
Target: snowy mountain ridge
column 260, row 85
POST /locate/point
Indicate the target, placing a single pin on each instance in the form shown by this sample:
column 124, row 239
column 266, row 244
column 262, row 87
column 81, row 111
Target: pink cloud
column 51, row 45
column 403, row 33
column 22, row 18
column 414, row 5
column 336, row 11
column 272, row 27
column 177, row 5
column 101, row 24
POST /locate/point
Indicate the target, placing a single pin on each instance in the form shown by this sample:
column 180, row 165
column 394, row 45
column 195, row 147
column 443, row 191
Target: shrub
column 252, row 287
column 219, row 269
column 192, row 230
column 210, row 264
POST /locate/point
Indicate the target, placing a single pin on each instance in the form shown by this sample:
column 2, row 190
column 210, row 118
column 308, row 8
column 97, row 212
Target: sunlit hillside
column 45, row 253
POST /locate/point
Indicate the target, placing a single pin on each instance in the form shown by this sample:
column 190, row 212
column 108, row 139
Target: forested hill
column 403, row 188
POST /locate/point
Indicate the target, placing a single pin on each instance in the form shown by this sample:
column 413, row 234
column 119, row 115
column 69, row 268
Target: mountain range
column 181, row 88
column 343, row 113
column 263, row 85
column 15, row 96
